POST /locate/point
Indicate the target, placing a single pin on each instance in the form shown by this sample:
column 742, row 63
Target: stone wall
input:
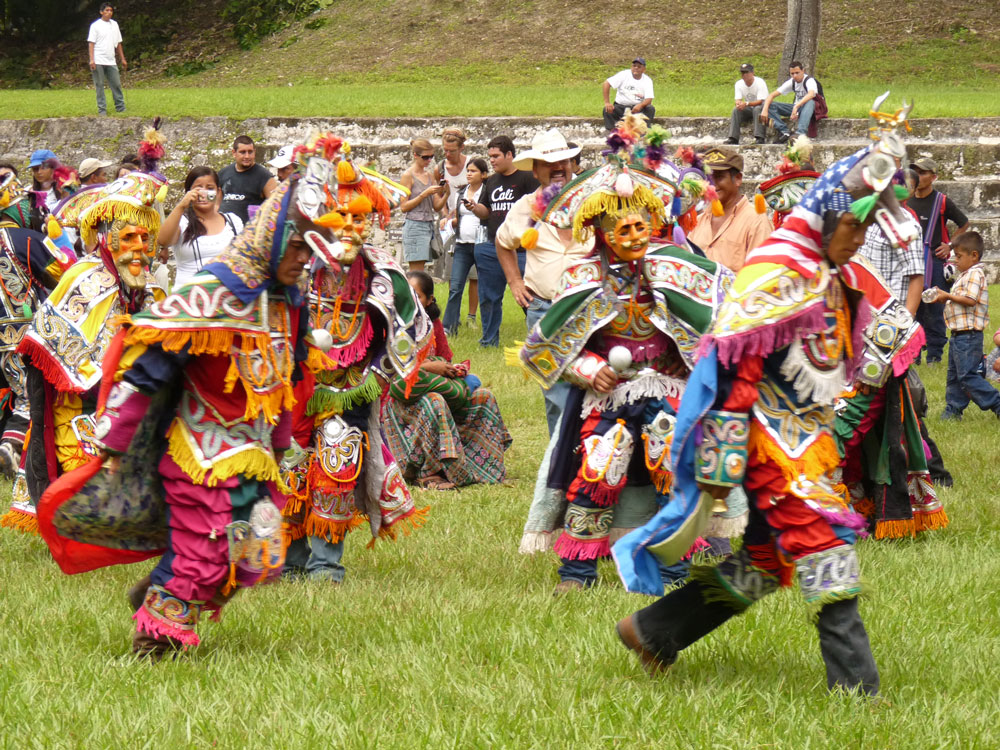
column 967, row 151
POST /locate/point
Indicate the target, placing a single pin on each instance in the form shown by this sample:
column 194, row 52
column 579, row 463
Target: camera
column 442, row 183
column 208, row 195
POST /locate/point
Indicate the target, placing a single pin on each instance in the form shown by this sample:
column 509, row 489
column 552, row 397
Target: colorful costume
column 208, row 371
column 758, row 411
column 68, row 339
column 371, row 327
column 635, row 310
column 30, row 265
column 878, row 429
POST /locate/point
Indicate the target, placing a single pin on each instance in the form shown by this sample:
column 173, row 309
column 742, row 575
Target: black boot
column 679, row 619
column 845, row 648
column 137, row 593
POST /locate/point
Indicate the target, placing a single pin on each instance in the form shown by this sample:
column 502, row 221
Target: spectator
column 428, row 196
column 535, row 283
column 104, row 39
column 7, row 168
column 452, row 171
column 244, row 183
column 633, row 90
column 728, row 238
column 577, row 167
column 501, row 190
column 750, row 95
column 967, row 312
column 43, row 191
column 934, row 211
column 284, row 162
column 125, row 167
column 800, row 113
column 445, row 430
column 468, row 231
column 92, row 172
column 195, row 228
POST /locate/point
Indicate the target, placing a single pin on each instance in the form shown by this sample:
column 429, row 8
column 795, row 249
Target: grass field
column 451, row 639
column 488, row 99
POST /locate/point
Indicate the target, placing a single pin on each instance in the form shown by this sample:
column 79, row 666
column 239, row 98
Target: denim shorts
column 417, row 240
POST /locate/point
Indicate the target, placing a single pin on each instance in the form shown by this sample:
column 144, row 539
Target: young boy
column 966, row 315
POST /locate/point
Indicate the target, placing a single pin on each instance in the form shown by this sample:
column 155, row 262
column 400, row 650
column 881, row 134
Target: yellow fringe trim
column 292, row 532
column 20, row 521
column 604, row 202
column 818, row 459
column 405, row 525
column 202, row 342
column 936, row 519
column 865, row 507
column 253, row 464
column 895, row 529
column 333, row 531
column 317, row 361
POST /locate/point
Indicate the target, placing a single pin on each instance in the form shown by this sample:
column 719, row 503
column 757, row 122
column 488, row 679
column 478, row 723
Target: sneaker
column 760, row 140
column 564, row 587
column 470, row 321
column 782, row 138
column 731, row 142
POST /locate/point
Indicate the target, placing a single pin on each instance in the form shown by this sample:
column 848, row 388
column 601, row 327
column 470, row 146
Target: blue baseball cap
column 39, row 156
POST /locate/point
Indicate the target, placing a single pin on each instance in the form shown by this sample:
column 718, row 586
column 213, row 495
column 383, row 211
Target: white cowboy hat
column 548, row 146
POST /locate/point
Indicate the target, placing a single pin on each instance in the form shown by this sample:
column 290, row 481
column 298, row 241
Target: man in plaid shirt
column 966, row 315
column 902, row 268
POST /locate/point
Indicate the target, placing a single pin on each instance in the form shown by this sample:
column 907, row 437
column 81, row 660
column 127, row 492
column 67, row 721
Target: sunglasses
column 426, row 157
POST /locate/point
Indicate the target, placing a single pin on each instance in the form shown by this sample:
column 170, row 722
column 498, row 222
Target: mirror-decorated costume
column 635, row 308
column 68, row 339
column 759, row 411
column 31, row 264
column 363, row 311
column 198, row 409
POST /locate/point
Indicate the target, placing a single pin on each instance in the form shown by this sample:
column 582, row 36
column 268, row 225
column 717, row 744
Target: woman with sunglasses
column 428, row 196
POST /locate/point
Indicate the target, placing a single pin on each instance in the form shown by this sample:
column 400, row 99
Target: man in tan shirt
column 550, row 159
column 728, row 238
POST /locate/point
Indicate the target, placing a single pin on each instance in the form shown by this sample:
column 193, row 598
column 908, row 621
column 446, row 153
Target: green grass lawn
column 434, row 98
column 451, row 639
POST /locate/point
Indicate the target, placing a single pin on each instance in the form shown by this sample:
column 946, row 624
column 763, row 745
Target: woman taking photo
column 468, row 229
column 195, row 228
column 428, row 196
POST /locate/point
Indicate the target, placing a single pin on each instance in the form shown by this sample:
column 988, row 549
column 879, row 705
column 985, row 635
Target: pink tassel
column 145, row 623
column 624, row 185
column 909, row 353
column 679, row 236
column 575, row 549
column 603, row 494
column 357, row 349
column 698, row 546
column 355, row 285
column 763, row 341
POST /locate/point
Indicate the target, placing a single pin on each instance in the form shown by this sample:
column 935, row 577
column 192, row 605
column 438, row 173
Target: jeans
column 585, row 571
column 741, row 116
column 492, row 285
column 611, row 118
column 965, row 383
column 779, row 110
column 555, row 397
column 110, row 74
column 463, row 260
column 931, row 317
column 324, row 559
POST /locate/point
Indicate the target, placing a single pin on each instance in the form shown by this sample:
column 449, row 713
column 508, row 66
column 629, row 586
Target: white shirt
column 106, row 36
column 468, row 222
column 192, row 256
column 455, row 181
column 753, row 92
column 808, row 86
column 628, row 90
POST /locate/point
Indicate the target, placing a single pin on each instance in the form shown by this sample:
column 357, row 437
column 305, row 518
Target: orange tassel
column 717, row 209
column 529, row 240
column 759, row 204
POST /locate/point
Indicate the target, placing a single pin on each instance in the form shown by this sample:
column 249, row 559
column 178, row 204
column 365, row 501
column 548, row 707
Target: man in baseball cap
column 751, row 92
column 283, row 162
column 727, row 236
column 91, row 171
column 633, row 90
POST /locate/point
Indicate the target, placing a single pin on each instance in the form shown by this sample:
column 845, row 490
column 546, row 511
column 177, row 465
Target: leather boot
column 137, row 593
column 146, row 646
column 677, row 620
column 846, row 650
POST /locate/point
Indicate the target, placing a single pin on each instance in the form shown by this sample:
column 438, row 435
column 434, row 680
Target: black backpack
column 819, row 86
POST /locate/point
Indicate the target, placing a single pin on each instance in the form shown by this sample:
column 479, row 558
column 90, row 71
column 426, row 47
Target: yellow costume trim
column 253, row 462
column 20, row 521
column 818, row 459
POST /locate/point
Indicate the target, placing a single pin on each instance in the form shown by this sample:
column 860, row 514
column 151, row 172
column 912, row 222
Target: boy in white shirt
column 633, row 91
column 104, row 39
column 750, row 95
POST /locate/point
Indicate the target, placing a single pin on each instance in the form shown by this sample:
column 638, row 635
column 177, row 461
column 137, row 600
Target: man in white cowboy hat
column 551, row 161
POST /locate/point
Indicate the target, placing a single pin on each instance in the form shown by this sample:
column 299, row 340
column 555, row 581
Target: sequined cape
column 686, row 288
column 69, row 335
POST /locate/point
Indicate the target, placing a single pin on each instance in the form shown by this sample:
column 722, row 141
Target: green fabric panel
column 243, row 496
column 403, row 300
column 557, row 315
column 847, row 421
column 881, row 474
column 916, row 458
column 693, row 313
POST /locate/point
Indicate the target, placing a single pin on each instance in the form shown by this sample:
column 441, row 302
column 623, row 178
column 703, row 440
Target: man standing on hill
column 244, row 183
column 633, row 91
column 934, row 211
column 104, row 39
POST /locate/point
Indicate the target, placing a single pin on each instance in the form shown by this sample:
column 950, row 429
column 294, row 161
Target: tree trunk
column 801, row 37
